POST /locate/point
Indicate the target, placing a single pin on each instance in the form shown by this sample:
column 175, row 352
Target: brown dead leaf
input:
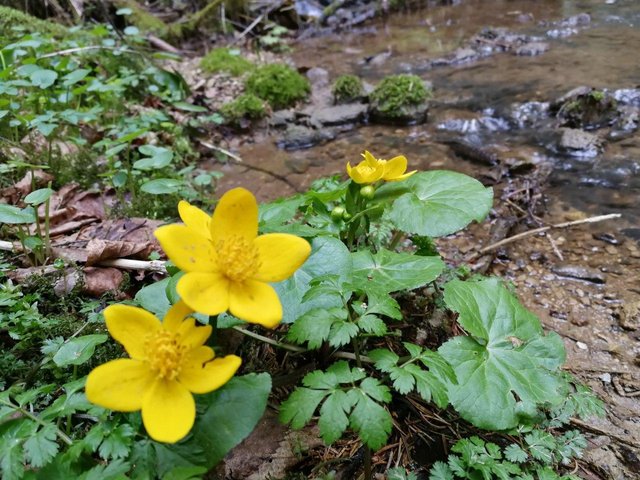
column 132, row 230
column 98, row 250
column 98, row 281
column 35, row 178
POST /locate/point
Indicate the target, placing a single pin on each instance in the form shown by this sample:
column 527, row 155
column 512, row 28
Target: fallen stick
column 493, row 246
column 123, row 263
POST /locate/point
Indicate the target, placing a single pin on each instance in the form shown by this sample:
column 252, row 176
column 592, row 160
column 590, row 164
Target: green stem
column 63, row 436
column 47, row 229
column 270, row 341
column 367, row 450
column 397, row 236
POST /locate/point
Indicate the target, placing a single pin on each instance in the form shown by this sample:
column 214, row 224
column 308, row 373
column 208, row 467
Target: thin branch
column 528, row 233
column 221, row 150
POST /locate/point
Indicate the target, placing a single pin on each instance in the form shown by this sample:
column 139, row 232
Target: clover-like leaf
column 438, row 202
column 507, row 366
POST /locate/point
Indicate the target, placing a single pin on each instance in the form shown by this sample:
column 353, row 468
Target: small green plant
column 226, row 60
column 347, row 88
column 275, row 38
column 245, row 107
column 398, row 92
column 278, row 84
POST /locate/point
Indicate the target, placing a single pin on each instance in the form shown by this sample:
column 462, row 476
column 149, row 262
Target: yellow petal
column 195, row 219
column 255, row 302
column 402, row 177
column 213, row 375
column 206, row 293
column 281, row 254
column 176, row 314
column 130, row 326
column 235, row 214
column 193, row 336
column 199, row 356
column 168, row 411
column 395, row 167
column 119, row 384
column 188, row 250
column 370, row 160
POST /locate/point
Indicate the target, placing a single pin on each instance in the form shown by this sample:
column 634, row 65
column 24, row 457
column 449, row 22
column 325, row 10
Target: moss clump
column 144, row 20
column 278, row 84
column 347, row 88
column 225, row 60
column 396, row 93
column 10, row 18
column 246, row 106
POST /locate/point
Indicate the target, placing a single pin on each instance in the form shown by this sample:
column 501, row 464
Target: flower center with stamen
column 165, row 354
column 238, row 258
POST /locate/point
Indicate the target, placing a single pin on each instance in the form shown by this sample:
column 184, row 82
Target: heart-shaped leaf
column 438, row 202
column 507, row 366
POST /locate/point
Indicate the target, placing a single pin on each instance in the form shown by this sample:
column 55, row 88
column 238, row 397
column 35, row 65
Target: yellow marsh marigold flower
column 371, row 169
column 227, row 265
column 168, row 363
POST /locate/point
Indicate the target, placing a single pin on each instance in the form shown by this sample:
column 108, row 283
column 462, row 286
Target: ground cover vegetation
column 139, row 387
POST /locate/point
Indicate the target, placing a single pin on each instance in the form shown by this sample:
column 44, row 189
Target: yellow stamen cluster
column 165, row 354
column 238, row 258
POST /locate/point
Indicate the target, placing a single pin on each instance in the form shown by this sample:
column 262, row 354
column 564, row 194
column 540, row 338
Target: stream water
column 474, row 100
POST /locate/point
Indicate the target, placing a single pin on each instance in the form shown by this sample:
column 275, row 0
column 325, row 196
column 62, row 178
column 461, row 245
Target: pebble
column 579, row 272
column 582, row 346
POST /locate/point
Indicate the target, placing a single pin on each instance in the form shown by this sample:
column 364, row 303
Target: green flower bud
column 346, row 216
column 337, row 214
column 368, row 191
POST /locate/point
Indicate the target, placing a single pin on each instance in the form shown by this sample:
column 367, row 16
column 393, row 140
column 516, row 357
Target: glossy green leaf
column 156, row 157
column 506, row 366
column 14, row 215
column 190, row 107
column 38, row 196
column 162, row 186
column 387, row 271
column 43, row 78
column 78, row 350
column 225, row 418
column 74, row 77
column 328, row 256
column 438, row 202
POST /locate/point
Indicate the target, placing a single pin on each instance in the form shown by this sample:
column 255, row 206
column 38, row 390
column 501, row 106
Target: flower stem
column 270, row 341
column 63, row 436
column 397, row 236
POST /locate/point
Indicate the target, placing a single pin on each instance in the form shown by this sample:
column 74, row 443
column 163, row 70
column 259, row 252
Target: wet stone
column 532, row 49
column 281, row 118
column 630, row 316
column 579, row 143
column 298, row 137
column 340, row 114
column 582, row 273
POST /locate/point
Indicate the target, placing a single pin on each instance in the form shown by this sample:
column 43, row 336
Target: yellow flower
column 227, row 265
column 371, row 169
column 168, row 363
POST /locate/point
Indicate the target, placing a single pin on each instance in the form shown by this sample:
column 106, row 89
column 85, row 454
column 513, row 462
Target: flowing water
column 473, row 100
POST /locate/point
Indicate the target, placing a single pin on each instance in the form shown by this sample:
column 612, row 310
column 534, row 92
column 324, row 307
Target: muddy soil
column 583, row 282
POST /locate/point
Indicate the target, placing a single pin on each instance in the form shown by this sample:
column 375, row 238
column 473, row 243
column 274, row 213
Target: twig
column 599, row 218
column 162, row 45
column 221, row 150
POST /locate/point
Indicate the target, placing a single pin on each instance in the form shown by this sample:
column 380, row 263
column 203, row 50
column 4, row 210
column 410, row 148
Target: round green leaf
column 162, row 185
column 438, row 203
column 38, row 197
column 43, row 78
column 507, row 366
column 15, row 215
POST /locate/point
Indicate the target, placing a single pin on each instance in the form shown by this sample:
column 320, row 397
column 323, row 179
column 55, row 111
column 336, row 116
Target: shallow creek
column 598, row 313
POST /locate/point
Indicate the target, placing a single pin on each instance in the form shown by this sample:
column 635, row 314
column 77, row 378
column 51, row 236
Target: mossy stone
column 400, row 99
column 347, row 89
column 225, row 60
column 245, row 107
column 10, row 17
column 278, row 84
column 144, row 20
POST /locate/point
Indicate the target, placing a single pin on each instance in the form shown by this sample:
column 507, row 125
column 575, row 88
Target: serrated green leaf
column 541, row 445
column 506, row 354
column 515, row 454
column 387, row 271
column 383, row 304
column 298, row 409
column 371, row 324
column 314, row 326
column 333, row 416
column 328, row 256
column 40, row 448
column 375, row 390
column 117, row 442
column 440, row 471
column 400, row 473
column 438, row 203
column 370, row 420
column 341, row 333
column 403, row 379
column 77, row 351
column 385, row 360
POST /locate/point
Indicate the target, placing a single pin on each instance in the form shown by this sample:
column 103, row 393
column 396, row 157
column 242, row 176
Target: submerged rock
column 532, row 49
column 528, row 114
column 340, row 114
column 579, row 143
column 299, row 136
column 582, row 273
column 585, row 107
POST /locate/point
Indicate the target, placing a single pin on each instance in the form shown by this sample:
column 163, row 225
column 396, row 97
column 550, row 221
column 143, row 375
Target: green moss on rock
column 278, row 84
column 10, row 17
column 396, row 95
column 225, row 60
column 347, row 88
column 144, row 20
column 245, row 107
